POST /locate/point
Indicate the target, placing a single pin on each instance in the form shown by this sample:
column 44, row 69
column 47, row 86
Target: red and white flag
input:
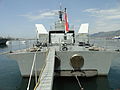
column 66, row 23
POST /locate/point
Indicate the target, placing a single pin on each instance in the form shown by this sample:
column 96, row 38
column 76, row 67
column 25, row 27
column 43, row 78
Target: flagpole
column 65, row 35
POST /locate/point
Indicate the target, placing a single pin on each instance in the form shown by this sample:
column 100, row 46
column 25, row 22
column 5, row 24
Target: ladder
column 46, row 79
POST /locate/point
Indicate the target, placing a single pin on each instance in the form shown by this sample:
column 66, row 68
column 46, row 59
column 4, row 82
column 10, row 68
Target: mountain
column 109, row 34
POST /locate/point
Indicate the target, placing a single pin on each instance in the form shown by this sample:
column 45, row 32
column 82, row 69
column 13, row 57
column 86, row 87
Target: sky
column 18, row 17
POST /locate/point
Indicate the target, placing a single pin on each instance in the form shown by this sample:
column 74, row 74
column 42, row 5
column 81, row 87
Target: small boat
column 116, row 37
column 3, row 41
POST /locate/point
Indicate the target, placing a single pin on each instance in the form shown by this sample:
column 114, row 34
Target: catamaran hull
column 99, row 60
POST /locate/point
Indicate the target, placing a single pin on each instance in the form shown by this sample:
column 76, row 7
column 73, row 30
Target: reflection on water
column 70, row 83
column 3, row 46
column 114, row 74
column 24, row 84
column 10, row 77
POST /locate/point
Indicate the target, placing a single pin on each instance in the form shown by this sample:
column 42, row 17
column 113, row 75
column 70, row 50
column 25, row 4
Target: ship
column 73, row 52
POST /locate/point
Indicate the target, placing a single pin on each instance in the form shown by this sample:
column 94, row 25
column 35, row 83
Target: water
column 94, row 83
column 11, row 79
column 114, row 74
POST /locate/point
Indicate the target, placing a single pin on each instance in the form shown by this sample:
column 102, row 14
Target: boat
column 3, row 41
column 116, row 37
column 73, row 53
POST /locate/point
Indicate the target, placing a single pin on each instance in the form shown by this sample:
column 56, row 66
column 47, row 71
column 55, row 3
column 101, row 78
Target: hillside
column 106, row 34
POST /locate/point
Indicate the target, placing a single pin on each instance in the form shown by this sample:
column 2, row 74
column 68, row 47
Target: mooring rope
column 79, row 83
column 41, row 73
column 32, row 69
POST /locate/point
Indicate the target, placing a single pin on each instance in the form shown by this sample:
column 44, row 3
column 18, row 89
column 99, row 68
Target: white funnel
column 83, row 28
column 41, row 29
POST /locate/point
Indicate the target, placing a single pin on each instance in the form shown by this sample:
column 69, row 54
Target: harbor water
column 11, row 79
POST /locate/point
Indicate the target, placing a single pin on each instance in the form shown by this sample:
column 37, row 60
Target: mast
column 60, row 13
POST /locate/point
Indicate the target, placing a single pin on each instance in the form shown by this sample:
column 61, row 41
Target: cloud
column 43, row 14
column 104, row 19
column 106, row 14
column 113, row 17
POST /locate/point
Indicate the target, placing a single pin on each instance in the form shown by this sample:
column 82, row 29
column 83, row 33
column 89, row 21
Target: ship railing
column 110, row 44
column 53, row 27
column 14, row 45
column 103, row 43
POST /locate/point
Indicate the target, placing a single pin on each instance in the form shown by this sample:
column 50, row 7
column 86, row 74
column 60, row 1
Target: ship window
column 59, row 37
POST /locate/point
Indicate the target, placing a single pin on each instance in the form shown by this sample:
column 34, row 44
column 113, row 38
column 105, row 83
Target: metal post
column 10, row 46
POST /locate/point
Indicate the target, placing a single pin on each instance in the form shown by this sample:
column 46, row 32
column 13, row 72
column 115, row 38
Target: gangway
column 45, row 81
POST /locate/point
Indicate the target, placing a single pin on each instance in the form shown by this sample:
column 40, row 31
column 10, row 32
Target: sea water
column 11, row 79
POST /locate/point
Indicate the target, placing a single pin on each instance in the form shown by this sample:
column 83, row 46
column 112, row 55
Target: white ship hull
column 99, row 60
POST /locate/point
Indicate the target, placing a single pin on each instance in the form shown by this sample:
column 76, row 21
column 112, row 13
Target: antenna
column 60, row 6
column 60, row 12
column 65, row 10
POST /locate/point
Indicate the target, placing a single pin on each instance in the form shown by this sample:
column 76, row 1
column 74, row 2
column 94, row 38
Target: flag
column 66, row 23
